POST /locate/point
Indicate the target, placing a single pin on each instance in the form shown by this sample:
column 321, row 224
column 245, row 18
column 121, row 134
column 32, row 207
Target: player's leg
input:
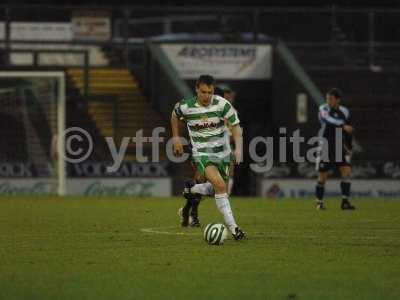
column 200, row 186
column 320, row 189
column 189, row 212
column 184, row 213
column 205, row 188
column 212, row 174
column 345, row 186
column 194, row 213
column 322, row 168
column 193, row 191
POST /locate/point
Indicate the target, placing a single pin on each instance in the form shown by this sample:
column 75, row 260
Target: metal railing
column 36, row 61
column 293, row 24
column 370, row 29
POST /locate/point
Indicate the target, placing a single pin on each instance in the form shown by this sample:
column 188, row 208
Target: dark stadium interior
column 343, row 45
column 198, row 149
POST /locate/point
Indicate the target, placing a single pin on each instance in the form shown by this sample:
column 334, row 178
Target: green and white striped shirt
column 206, row 125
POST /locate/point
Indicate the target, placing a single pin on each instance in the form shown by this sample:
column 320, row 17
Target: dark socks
column 187, row 206
column 319, row 191
column 345, row 187
column 195, row 205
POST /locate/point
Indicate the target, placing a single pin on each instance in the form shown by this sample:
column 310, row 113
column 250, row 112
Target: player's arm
column 175, row 124
column 348, row 136
column 237, row 135
column 348, row 127
column 325, row 117
column 231, row 118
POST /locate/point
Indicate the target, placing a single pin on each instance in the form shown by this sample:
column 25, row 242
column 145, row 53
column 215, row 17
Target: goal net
column 32, row 116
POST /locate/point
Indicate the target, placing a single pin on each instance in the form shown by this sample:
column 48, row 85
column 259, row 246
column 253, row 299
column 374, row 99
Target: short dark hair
column 205, row 79
column 335, row 92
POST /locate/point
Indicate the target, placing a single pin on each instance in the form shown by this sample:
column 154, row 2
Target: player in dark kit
column 336, row 147
column 189, row 213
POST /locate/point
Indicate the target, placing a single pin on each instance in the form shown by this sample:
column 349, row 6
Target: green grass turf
column 87, row 248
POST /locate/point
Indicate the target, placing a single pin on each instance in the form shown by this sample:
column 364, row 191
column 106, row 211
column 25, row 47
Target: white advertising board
column 223, row 61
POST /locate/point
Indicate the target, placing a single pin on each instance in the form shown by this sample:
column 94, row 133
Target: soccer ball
column 215, row 234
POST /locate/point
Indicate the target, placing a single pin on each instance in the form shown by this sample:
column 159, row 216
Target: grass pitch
column 119, row 248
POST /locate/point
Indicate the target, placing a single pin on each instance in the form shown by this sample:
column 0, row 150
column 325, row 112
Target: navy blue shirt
column 331, row 119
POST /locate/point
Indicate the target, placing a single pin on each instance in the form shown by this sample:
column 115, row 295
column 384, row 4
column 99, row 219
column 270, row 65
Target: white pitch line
column 163, row 230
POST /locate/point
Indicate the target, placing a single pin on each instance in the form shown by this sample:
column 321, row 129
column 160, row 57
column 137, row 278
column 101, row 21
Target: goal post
column 32, row 117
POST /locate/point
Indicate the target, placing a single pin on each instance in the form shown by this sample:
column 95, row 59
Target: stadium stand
column 126, row 111
column 120, row 101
